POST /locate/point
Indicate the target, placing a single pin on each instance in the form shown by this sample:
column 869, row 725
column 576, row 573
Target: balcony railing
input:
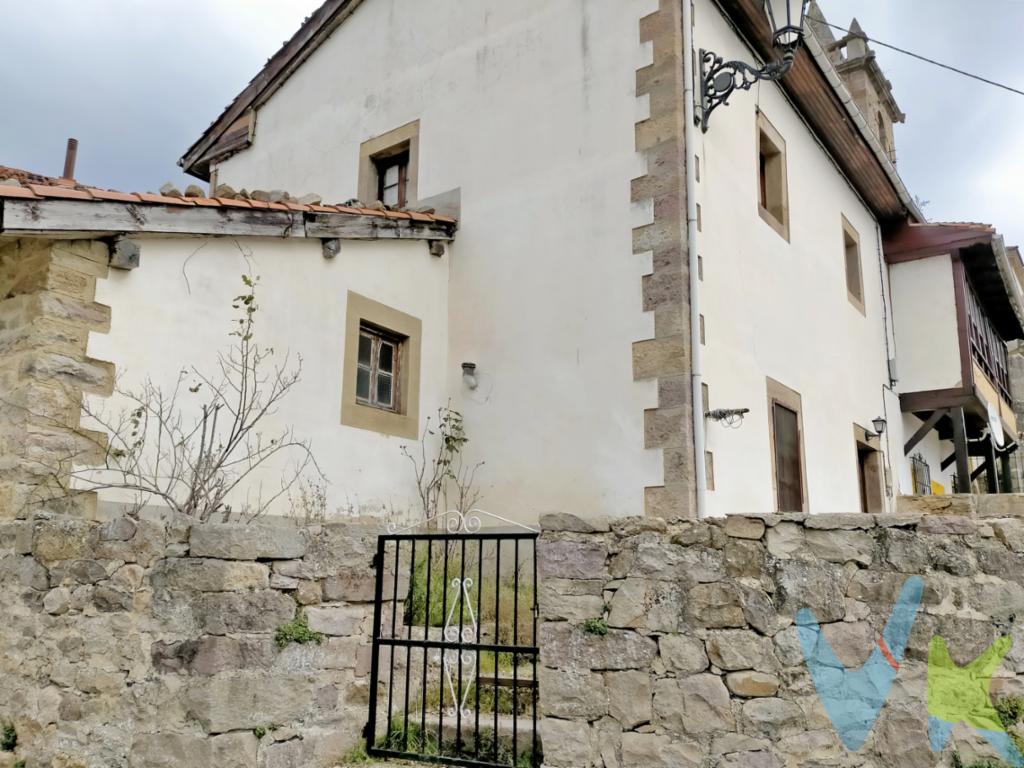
column 987, row 347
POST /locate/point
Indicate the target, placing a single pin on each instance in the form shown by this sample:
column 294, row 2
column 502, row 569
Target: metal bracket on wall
column 720, row 78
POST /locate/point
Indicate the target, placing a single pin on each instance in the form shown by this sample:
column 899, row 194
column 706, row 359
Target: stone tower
column 857, row 64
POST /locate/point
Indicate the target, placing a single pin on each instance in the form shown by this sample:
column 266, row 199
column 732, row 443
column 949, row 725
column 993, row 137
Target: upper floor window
column 773, row 191
column 987, row 347
column 388, row 167
column 393, row 179
column 854, row 272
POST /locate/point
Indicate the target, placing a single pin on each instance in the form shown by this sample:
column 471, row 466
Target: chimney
column 69, row 159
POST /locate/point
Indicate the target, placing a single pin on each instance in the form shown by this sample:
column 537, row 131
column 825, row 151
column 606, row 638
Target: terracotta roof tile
column 148, row 197
column 229, row 203
column 7, row 190
column 45, row 190
column 117, row 197
column 33, row 186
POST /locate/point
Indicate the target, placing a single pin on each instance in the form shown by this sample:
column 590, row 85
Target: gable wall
column 528, row 108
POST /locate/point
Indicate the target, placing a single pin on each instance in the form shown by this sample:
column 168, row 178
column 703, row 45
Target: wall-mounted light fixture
column 469, row 376
column 719, row 78
column 879, row 424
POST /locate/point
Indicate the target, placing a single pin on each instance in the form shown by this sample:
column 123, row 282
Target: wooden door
column 788, row 461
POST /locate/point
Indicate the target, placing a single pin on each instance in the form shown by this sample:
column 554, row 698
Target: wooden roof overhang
column 817, row 100
column 232, row 130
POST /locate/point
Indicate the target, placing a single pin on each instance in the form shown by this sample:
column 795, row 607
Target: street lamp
column 719, row 78
column 879, row 424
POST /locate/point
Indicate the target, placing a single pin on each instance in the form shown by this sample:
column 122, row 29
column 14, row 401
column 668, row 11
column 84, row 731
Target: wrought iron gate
column 454, row 669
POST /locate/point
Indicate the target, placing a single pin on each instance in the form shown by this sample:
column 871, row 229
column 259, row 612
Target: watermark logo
column 853, row 699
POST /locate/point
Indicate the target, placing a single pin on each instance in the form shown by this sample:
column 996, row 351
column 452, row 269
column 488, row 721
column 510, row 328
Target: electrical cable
column 918, row 56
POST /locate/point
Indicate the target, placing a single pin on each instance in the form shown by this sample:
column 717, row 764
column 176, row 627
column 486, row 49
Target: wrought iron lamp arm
column 719, row 78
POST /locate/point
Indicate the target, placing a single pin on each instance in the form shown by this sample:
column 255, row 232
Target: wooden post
column 991, row 474
column 1006, row 486
column 963, row 465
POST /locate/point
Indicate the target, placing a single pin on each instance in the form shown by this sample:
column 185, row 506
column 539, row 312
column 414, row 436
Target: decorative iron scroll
column 720, row 79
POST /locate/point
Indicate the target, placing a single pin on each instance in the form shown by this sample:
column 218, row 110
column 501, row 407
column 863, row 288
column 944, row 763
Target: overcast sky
column 137, row 81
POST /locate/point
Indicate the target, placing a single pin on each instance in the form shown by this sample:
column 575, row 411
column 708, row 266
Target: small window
column 773, row 193
column 377, row 373
column 854, row 273
column 388, row 167
column 393, row 179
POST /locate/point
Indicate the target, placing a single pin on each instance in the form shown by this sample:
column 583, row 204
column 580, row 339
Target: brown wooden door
column 788, row 464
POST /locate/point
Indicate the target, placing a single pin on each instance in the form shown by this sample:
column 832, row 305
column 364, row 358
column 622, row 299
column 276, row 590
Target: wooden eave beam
column 65, row 217
column 924, row 429
column 818, row 102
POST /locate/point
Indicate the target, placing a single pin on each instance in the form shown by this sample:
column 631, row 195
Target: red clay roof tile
column 8, row 190
column 117, row 197
column 44, row 190
column 149, row 197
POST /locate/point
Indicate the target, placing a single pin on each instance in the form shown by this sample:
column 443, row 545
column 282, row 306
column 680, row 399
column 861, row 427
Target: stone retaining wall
column 150, row 644
column 673, row 644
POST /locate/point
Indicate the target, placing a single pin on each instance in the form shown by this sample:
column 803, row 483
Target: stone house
column 613, row 265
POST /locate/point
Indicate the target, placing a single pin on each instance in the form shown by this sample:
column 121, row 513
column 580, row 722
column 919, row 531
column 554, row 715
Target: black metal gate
column 454, row 670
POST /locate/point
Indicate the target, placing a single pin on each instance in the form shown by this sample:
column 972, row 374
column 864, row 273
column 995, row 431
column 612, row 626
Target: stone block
column 1000, row 505
column 236, row 701
column 169, row 750
column 657, row 751
column 209, row 575
column 959, row 504
column 566, row 743
column 233, row 750
column 744, row 559
column 741, row 527
column 630, row 698
column 253, row 541
column 25, row 571
column 948, row 525
column 567, row 646
column 63, row 539
column 715, row 606
column 339, row 621
column 752, row 685
column 573, row 694
column 694, row 705
column 819, row 586
column 683, row 655
column 565, row 559
column 839, row 522
column 772, row 717
column 842, row 546
column 741, row 649
column 221, row 613
column 563, row 521
column 785, row 539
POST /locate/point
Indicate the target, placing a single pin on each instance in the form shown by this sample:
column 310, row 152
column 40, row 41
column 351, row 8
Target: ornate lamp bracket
column 720, row 78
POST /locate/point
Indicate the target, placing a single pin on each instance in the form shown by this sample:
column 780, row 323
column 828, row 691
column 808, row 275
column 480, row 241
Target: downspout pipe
column 696, row 370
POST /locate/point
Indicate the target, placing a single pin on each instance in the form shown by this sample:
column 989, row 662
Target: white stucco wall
column 779, row 309
column 175, row 312
column 528, row 108
column 926, row 326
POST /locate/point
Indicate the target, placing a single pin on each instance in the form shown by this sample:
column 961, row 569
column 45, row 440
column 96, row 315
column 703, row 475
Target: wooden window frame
column 376, row 152
column 379, row 337
column 851, row 241
column 402, row 420
column 382, row 164
column 780, row 394
column 772, row 177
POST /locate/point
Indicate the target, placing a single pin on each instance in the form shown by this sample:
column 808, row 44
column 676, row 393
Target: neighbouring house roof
column 35, row 204
column 232, row 130
column 988, row 262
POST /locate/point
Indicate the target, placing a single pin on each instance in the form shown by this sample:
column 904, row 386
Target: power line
column 918, row 56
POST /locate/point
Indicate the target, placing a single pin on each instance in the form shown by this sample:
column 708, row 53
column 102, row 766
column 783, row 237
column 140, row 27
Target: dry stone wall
column 668, row 644
column 145, row 644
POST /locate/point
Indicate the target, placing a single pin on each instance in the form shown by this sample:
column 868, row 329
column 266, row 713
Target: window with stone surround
column 854, row 271
column 381, row 370
column 388, row 167
column 772, row 181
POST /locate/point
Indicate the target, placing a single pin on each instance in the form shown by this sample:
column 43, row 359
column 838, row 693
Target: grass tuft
column 297, row 631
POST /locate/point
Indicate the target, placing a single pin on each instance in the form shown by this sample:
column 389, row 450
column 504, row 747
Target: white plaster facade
column 302, row 310
column 779, row 309
column 529, row 109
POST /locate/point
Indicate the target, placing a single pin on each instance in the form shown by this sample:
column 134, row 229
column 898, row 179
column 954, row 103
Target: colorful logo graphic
column 854, row 699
